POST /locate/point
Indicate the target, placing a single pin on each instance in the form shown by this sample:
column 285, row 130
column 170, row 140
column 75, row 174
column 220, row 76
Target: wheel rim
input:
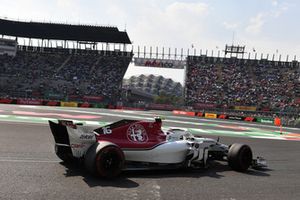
column 109, row 162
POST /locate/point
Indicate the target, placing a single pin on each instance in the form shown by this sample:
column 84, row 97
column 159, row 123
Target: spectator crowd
column 60, row 76
column 231, row 83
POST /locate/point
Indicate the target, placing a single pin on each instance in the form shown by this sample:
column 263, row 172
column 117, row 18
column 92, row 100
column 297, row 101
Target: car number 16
column 107, row 130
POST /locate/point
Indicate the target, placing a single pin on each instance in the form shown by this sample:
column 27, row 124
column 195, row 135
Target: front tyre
column 239, row 157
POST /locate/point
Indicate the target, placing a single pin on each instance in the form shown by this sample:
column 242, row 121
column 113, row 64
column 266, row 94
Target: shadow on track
column 123, row 181
column 77, row 169
column 214, row 171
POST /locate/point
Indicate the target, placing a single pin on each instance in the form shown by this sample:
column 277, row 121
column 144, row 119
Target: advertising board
column 161, row 63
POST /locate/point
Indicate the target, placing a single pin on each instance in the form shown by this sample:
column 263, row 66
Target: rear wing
column 60, row 133
column 75, row 137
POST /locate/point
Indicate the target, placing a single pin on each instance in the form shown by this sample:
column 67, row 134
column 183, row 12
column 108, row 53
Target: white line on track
column 27, row 106
column 21, row 117
column 265, row 137
column 29, row 161
column 10, row 122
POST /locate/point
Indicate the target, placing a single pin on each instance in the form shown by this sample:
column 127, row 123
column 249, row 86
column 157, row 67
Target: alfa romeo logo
column 137, row 133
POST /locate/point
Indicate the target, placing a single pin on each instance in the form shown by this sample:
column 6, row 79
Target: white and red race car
column 130, row 144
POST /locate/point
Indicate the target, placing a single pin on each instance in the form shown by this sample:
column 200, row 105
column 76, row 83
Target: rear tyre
column 64, row 153
column 104, row 160
column 239, row 157
column 109, row 161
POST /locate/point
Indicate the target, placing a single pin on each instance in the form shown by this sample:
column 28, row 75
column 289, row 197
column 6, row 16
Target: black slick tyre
column 104, row 160
column 239, row 157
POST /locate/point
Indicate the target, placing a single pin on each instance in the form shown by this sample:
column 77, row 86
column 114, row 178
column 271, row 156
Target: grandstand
column 256, row 85
column 62, row 73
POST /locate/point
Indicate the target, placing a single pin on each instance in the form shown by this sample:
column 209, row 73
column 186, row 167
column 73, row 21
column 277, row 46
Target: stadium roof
column 54, row 31
column 154, row 85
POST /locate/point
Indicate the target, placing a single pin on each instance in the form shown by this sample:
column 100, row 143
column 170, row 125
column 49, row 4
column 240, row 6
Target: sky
column 266, row 26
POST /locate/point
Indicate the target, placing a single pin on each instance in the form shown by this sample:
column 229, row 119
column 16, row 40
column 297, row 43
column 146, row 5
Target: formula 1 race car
column 130, row 144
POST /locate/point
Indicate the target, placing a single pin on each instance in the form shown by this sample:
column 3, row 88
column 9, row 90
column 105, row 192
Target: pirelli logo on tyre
column 211, row 115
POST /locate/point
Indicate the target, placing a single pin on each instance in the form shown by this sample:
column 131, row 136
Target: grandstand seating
column 238, row 83
column 59, row 76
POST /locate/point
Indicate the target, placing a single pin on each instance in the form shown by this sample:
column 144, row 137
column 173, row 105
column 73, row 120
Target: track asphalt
column 30, row 169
